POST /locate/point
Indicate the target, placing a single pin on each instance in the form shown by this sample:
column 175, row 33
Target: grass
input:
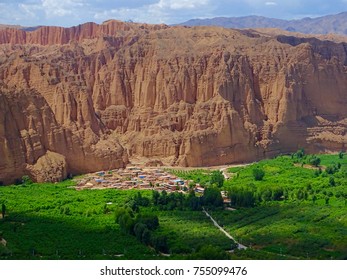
column 299, row 226
column 200, row 176
column 187, row 231
column 39, row 226
column 54, row 221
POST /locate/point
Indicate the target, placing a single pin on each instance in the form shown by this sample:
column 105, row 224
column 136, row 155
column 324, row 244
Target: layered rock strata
column 81, row 99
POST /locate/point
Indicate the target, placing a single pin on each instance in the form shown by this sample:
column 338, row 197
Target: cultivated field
column 293, row 208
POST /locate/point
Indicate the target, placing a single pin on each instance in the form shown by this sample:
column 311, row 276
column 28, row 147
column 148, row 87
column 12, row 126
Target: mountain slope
column 86, row 98
column 322, row 25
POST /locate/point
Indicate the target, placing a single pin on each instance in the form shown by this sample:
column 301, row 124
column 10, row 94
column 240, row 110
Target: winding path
column 239, row 246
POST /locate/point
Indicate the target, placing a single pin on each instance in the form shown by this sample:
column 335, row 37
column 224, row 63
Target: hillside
column 336, row 24
column 87, row 98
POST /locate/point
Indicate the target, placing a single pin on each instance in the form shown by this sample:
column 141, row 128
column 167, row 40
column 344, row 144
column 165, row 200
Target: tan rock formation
column 51, row 167
column 194, row 96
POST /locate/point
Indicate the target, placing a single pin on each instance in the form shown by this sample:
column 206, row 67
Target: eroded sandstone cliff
column 85, row 98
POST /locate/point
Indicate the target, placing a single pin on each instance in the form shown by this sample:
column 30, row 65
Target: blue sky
column 74, row 12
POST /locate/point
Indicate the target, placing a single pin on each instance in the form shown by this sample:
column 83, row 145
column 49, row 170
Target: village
column 141, row 178
column 136, row 177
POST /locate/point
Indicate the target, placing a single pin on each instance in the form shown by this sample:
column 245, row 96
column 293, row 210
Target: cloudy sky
column 73, row 12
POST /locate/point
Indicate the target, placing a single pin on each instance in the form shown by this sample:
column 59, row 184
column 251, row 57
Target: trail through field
column 239, row 246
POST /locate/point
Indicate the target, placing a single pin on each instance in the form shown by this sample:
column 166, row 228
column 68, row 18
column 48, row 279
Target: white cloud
column 73, row 12
column 160, row 12
column 180, row 4
column 271, row 4
column 61, row 8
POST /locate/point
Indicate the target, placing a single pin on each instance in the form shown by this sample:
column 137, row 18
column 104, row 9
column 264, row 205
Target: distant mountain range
column 30, row 28
column 321, row 25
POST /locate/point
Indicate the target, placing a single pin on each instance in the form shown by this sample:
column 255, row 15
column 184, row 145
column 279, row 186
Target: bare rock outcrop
column 98, row 94
column 51, row 167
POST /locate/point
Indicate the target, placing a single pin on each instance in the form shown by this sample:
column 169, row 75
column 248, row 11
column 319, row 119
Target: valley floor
column 293, row 212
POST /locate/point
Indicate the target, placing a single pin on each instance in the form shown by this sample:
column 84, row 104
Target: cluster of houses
column 136, row 177
column 133, row 177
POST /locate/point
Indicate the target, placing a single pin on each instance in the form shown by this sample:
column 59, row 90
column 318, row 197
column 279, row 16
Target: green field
column 295, row 211
column 51, row 221
column 298, row 210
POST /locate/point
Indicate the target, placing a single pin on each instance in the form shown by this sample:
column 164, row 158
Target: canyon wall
column 87, row 98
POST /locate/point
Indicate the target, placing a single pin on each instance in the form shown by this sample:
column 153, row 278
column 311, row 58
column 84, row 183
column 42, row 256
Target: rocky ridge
column 336, row 24
column 87, row 98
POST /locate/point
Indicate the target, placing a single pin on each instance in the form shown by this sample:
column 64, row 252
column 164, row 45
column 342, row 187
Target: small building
column 199, row 189
column 178, row 182
column 100, row 180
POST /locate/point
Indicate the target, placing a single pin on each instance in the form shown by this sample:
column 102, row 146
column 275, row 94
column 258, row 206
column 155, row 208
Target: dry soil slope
column 85, row 98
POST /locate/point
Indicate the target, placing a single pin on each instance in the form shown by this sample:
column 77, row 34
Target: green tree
column 125, row 218
column 258, row 174
column 332, row 182
column 150, row 220
column 242, row 197
column 193, row 202
column 163, row 198
column 3, row 210
column 212, row 197
column 341, row 155
column 217, row 178
column 300, row 153
column 139, row 228
column 142, row 201
column 146, row 236
column 155, row 197
column 132, row 203
column 315, row 161
column 160, row 243
column 331, row 169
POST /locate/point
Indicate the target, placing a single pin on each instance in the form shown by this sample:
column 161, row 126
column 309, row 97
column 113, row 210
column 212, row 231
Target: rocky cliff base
column 81, row 99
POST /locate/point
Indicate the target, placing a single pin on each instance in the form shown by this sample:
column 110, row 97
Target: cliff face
column 85, row 98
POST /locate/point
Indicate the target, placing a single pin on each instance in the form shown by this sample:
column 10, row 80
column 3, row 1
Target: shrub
column 300, row 154
column 26, row 180
column 258, row 174
column 217, row 178
column 332, row 182
column 315, row 161
column 331, row 169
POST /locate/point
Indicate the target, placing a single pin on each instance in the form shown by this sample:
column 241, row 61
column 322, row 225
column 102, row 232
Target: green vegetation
column 3, row 210
column 258, row 174
column 295, row 209
column 199, row 176
column 341, row 154
column 54, row 221
column 217, row 178
column 315, row 161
